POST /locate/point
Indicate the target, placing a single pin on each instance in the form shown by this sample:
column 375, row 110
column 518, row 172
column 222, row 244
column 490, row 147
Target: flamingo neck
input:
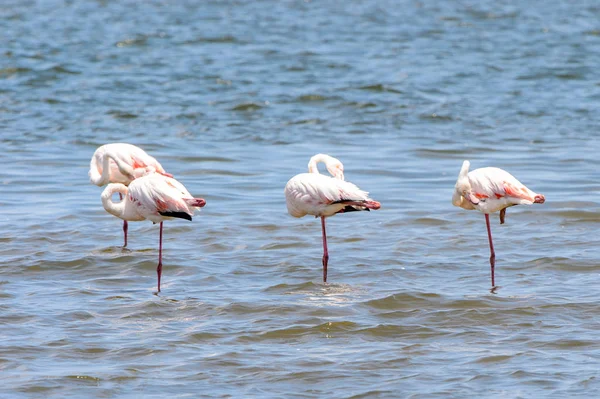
column 100, row 179
column 118, row 209
column 333, row 165
column 463, row 185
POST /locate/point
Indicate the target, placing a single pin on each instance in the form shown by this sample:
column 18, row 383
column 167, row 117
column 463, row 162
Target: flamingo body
column 323, row 196
column 490, row 190
column 122, row 163
column 319, row 195
column 153, row 197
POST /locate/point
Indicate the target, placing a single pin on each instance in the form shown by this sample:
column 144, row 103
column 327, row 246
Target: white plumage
column 154, row 197
column 322, row 196
column 319, row 195
column 491, row 190
column 122, row 163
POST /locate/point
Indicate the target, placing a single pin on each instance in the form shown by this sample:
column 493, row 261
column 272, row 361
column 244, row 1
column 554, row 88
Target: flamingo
column 491, row 190
column 121, row 163
column 322, row 196
column 154, row 197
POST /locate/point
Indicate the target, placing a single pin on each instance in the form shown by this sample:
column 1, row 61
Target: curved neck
column 114, row 208
column 333, row 165
column 464, row 170
column 312, row 164
column 462, row 187
column 97, row 178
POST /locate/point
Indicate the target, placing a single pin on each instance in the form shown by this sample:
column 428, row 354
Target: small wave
column 84, row 377
column 61, row 69
column 435, row 117
column 314, row 121
column 135, row 41
column 494, row 359
column 213, row 39
column 121, row 114
column 358, row 104
column 380, row 88
column 565, row 264
column 205, row 159
column 277, row 246
column 577, row 215
column 438, row 154
column 431, row 221
column 482, row 14
column 311, row 98
column 404, row 300
column 549, row 74
column 13, row 71
column 247, row 107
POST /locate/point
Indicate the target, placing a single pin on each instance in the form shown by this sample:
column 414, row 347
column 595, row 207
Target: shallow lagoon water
column 233, row 98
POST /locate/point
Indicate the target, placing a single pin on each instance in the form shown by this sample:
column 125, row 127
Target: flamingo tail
column 368, row 204
column 358, row 205
column 181, row 215
column 197, row 202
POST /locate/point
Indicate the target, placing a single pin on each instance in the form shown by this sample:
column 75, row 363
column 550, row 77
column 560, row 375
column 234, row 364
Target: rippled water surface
column 233, row 98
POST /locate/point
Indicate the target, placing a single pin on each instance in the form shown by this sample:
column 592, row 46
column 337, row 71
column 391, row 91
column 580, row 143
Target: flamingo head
column 462, row 196
column 335, row 168
column 333, row 165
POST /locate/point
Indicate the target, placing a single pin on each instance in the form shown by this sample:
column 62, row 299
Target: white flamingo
column 322, row 196
column 121, row 163
column 491, row 190
column 154, row 197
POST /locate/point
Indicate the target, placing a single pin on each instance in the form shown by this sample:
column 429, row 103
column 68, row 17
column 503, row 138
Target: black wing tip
column 181, row 215
column 341, row 201
column 350, row 208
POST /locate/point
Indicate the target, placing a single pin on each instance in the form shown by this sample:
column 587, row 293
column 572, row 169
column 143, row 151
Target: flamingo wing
column 318, row 195
column 158, row 195
column 496, row 183
column 142, row 163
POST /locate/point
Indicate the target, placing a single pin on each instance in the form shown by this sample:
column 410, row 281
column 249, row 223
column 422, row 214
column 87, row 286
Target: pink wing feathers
column 496, row 183
column 159, row 196
column 318, row 195
column 126, row 162
column 142, row 163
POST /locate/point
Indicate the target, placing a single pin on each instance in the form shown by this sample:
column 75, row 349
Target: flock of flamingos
column 147, row 191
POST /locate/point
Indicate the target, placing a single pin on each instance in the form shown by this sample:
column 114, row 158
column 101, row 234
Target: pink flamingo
column 122, row 163
column 490, row 190
column 154, row 197
column 322, row 196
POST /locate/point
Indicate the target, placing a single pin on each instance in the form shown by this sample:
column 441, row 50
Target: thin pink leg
column 125, row 225
column 159, row 267
column 493, row 254
column 325, row 253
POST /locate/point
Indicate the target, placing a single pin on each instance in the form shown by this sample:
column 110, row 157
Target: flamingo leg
column 125, row 225
column 159, row 267
column 125, row 228
column 325, row 253
column 492, row 253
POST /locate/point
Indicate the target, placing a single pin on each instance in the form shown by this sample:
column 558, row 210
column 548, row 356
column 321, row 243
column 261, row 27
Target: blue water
column 234, row 98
